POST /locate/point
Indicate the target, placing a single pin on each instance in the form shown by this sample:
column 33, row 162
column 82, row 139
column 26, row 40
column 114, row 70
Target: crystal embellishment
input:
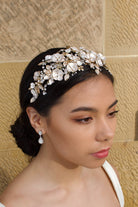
column 61, row 65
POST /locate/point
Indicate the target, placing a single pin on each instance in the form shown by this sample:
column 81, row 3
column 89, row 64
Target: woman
column 67, row 125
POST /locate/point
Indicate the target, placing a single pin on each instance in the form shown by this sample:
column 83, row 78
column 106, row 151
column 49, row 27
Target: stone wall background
column 109, row 26
column 30, row 27
column 120, row 42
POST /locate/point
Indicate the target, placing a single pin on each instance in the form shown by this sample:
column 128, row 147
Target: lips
column 101, row 154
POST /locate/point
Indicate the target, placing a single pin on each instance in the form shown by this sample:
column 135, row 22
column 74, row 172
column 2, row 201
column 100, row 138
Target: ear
column 37, row 121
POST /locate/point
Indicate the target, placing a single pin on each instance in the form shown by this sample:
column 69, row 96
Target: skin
column 65, row 168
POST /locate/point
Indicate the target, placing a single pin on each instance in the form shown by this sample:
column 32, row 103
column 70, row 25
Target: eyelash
column 112, row 114
column 88, row 119
column 85, row 120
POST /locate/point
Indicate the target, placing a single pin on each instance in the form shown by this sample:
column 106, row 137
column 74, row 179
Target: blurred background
column 107, row 26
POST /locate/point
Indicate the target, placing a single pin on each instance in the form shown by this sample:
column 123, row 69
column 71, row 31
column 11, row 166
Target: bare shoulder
column 7, row 198
column 10, row 201
column 22, row 199
column 10, row 196
column 26, row 189
column 15, row 196
column 15, row 191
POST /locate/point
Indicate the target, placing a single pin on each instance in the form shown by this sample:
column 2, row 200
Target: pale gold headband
column 61, row 65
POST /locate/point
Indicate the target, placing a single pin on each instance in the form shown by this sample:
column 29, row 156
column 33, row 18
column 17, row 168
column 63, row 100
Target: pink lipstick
column 101, row 154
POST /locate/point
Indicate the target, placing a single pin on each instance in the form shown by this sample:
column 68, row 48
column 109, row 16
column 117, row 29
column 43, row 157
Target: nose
column 105, row 130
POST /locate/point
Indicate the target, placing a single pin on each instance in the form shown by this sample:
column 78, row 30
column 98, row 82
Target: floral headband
column 61, row 65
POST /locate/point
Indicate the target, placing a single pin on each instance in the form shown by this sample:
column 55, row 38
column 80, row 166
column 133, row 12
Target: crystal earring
column 40, row 140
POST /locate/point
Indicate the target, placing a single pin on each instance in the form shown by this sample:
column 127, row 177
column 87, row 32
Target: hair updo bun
column 25, row 136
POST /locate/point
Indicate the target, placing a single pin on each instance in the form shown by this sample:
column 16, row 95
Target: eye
column 86, row 120
column 113, row 114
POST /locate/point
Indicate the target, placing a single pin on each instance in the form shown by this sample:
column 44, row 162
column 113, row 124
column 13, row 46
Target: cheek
column 114, row 123
column 70, row 138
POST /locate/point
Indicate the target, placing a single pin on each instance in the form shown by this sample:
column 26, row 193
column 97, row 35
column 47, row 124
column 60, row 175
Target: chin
column 95, row 164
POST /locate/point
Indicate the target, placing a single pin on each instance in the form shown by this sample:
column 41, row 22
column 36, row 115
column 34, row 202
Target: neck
column 56, row 170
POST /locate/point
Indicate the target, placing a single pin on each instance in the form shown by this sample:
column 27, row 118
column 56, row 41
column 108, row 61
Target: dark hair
column 25, row 136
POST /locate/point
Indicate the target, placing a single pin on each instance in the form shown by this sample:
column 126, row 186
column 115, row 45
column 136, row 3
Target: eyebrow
column 114, row 103
column 84, row 108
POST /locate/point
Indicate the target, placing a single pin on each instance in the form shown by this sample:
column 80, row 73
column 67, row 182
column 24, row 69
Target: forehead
column 91, row 91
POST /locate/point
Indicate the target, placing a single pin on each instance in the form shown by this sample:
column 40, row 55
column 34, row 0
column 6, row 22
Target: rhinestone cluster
column 60, row 66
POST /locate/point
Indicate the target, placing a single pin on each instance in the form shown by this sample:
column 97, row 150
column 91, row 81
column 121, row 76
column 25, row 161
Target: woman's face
column 83, row 124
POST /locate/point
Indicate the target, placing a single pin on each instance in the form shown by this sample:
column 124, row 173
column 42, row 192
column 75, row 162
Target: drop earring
column 40, row 140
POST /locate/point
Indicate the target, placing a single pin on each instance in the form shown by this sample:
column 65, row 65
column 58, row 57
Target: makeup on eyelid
column 90, row 118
